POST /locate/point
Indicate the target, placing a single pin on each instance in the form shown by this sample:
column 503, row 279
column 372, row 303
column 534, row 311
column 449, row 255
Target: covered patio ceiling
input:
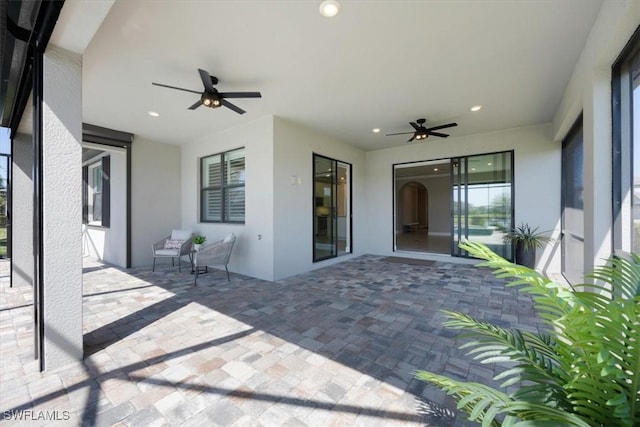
column 377, row 64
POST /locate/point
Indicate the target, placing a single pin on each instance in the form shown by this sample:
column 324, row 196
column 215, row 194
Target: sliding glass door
column 331, row 208
column 5, row 203
column 572, row 205
column 481, row 201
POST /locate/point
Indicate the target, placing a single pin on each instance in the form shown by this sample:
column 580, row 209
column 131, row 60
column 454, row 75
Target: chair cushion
column 173, row 244
column 167, row 252
column 180, row 234
column 229, row 238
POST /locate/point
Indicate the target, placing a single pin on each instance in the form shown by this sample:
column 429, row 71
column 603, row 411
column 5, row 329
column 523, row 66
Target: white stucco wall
column 103, row 243
column 155, row 196
column 22, row 211
column 62, row 207
column 293, row 203
column 254, row 248
column 589, row 91
column 537, row 177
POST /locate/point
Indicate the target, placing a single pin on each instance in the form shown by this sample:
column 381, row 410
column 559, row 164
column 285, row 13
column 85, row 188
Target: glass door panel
column 422, row 201
column 458, row 205
column 343, row 209
column 331, row 208
column 5, row 226
column 482, row 201
column 572, row 205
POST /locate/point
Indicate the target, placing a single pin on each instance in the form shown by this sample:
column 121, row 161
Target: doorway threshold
column 432, row 256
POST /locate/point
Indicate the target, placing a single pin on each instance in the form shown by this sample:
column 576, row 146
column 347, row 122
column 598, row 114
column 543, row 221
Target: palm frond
column 583, row 370
column 551, row 300
column 480, row 401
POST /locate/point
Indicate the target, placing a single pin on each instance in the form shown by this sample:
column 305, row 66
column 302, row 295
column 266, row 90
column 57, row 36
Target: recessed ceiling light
column 476, row 108
column 435, row 169
column 329, row 8
column 154, row 114
column 375, row 130
column 489, row 164
column 473, row 169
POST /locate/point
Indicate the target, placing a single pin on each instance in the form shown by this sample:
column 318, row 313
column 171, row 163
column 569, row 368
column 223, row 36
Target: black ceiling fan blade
column 401, row 133
column 233, row 107
column 177, row 88
column 412, row 138
column 196, row 105
column 448, row 125
column 441, row 135
column 240, row 94
column 206, row 80
column 414, row 125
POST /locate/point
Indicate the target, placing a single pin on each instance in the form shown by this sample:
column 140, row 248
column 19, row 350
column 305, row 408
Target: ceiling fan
column 211, row 97
column 420, row 132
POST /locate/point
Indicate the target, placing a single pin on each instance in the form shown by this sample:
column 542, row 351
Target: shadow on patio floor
column 336, row 345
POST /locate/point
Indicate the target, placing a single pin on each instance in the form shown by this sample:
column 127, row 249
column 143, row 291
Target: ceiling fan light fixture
column 329, row 8
column 210, row 100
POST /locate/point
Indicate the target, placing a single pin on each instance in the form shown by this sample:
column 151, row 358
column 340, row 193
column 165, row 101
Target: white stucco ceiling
column 377, row 64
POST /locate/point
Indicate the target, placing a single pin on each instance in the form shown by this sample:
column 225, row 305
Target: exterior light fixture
column 329, row 8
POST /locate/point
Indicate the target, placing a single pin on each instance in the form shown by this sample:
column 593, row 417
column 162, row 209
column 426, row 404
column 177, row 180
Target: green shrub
column 583, row 369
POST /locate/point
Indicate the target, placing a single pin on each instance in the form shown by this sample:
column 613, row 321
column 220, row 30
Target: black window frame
column 622, row 140
column 105, row 220
column 222, row 187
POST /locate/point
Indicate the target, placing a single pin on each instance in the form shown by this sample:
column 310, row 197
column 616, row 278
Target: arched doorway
column 413, row 208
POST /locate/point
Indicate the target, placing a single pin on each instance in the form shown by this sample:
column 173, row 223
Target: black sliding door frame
column 329, row 221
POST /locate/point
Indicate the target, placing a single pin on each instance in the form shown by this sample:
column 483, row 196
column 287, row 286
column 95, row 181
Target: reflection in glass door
column 572, row 205
column 481, row 204
column 331, row 208
column 5, row 226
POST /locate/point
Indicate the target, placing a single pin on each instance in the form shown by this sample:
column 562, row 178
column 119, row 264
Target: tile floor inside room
column 337, row 346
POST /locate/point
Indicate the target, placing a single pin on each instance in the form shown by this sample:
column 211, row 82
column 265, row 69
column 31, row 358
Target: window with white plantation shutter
column 222, row 187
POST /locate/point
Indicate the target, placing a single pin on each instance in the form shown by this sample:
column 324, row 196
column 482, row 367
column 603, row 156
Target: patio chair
column 175, row 246
column 214, row 254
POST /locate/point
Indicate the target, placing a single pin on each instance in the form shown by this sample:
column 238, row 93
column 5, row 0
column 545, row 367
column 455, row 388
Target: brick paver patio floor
column 337, row 346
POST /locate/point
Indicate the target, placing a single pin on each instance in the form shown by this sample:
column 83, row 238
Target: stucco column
column 62, row 207
column 597, row 169
column 22, row 211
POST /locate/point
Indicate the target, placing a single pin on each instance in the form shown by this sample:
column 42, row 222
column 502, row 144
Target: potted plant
column 526, row 241
column 198, row 240
column 580, row 368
